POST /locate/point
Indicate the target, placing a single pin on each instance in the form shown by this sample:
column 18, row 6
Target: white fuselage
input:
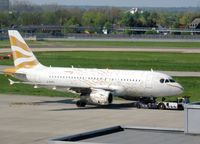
column 124, row 83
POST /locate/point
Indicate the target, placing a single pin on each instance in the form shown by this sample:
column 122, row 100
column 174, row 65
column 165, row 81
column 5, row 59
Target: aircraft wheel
column 138, row 105
column 80, row 103
column 161, row 106
column 180, row 107
column 149, row 105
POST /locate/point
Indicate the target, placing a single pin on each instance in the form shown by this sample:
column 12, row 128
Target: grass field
column 92, row 43
column 190, row 84
column 120, row 60
column 191, row 87
column 24, row 89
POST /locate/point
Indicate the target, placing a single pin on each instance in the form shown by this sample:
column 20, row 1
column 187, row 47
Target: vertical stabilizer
column 22, row 55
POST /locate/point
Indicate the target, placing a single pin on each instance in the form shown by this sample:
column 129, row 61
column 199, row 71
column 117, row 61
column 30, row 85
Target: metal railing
column 58, row 32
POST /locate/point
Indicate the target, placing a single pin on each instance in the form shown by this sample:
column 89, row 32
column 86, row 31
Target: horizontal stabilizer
column 19, row 82
column 11, row 81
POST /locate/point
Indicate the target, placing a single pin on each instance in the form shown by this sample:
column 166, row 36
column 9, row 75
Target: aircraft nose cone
column 180, row 88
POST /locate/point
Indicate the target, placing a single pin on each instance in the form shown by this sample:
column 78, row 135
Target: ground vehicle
column 173, row 105
column 8, row 56
column 177, row 105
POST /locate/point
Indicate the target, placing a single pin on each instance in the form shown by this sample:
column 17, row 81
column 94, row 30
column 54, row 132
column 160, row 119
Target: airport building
column 4, row 5
column 195, row 24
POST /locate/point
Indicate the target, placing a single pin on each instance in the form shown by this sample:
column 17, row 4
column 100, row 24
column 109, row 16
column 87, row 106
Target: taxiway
column 33, row 119
column 134, row 49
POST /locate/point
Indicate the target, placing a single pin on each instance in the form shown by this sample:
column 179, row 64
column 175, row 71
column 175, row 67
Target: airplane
column 95, row 86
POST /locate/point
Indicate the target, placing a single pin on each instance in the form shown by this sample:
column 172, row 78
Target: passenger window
column 162, row 80
column 172, row 81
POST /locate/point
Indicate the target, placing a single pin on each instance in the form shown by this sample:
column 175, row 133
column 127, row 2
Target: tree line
column 97, row 18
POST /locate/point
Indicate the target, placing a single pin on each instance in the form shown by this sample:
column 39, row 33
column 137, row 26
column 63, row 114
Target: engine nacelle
column 100, row 97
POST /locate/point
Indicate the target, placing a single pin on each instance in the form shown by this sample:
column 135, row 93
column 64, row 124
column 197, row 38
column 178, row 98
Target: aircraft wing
column 81, row 90
column 89, row 89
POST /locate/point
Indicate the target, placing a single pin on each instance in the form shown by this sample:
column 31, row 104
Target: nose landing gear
column 146, row 102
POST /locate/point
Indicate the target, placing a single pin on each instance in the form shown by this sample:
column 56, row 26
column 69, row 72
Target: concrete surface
column 34, row 120
column 182, row 73
column 180, row 50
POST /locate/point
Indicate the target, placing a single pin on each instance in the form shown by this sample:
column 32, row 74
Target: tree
column 71, row 25
column 4, row 19
column 88, row 18
column 93, row 20
column 25, row 18
column 128, row 19
column 185, row 19
column 49, row 18
column 62, row 16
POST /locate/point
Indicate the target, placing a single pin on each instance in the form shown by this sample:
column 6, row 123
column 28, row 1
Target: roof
column 130, row 135
column 195, row 23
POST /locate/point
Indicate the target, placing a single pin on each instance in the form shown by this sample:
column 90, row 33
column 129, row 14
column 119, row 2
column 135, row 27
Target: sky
column 129, row 3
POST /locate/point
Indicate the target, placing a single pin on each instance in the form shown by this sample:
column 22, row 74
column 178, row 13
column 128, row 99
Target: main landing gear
column 146, row 102
column 81, row 103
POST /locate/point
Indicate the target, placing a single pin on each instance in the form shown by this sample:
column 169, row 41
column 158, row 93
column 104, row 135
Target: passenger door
column 148, row 80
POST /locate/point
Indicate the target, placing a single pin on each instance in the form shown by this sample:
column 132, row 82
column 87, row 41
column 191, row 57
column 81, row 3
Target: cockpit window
column 162, row 80
column 172, row 81
column 166, row 81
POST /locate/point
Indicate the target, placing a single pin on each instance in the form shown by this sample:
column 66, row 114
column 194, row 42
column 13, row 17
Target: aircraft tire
column 80, row 103
column 180, row 107
column 161, row 106
column 138, row 105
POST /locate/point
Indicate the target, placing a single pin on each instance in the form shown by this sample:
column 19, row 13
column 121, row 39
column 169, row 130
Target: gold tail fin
column 22, row 55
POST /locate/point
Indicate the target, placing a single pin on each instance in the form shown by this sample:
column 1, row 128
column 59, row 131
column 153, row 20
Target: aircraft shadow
column 73, row 102
column 119, row 106
column 65, row 101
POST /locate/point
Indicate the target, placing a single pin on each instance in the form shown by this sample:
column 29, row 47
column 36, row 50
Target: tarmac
column 133, row 49
column 34, row 119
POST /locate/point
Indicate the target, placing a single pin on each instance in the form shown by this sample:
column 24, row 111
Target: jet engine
column 100, row 97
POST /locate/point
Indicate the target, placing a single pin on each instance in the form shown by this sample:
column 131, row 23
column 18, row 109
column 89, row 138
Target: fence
column 68, row 36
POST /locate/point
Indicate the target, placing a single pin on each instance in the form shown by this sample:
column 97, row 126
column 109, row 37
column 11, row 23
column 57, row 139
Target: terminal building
column 4, row 5
column 195, row 24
